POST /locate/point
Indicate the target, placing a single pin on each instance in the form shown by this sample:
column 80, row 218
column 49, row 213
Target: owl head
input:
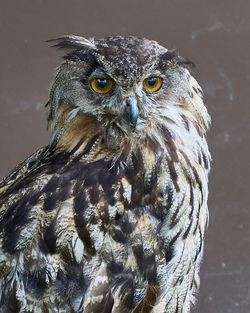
column 131, row 87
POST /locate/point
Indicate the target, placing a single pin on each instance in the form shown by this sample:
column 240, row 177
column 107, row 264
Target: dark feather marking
column 191, row 218
column 117, row 235
column 114, row 267
column 108, row 180
column 169, row 254
column 171, row 244
column 185, row 122
column 157, row 210
column 70, row 282
column 87, row 149
column 172, row 150
column 132, row 171
column 13, row 210
column 137, row 161
column 57, row 189
column 137, row 192
column 201, row 244
column 119, row 163
column 162, row 210
column 178, row 264
column 94, row 194
column 187, row 231
column 191, row 201
column 147, row 303
column 125, row 284
column 170, row 193
column 200, row 91
column 150, row 184
column 197, row 219
column 15, row 217
column 50, row 202
column 139, row 255
column 205, row 160
column 95, row 173
column 199, row 158
column 177, row 305
column 93, row 219
column 78, row 145
column 90, row 145
column 195, row 90
column 49, row 239
column 173, row 175
column 150, row 268
column 64, row 192
column 90, row 179
column 146, row 263
column 34, row 198
column 190, row 93
column 174, row 219
column 197, row 177
column 69, row 173
column 198, row 128
column 194, row 171
column 36, row 284
column 55, row 159
column 11, row 302
column 52, row 184
column 80, row 204
column 126, row 226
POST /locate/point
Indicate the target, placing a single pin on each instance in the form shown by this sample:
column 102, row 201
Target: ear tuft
column 72, row 42
column 173, row 56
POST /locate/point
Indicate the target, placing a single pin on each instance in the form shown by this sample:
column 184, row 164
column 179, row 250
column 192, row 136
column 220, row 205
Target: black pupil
column 102, row 82
column 152, row 81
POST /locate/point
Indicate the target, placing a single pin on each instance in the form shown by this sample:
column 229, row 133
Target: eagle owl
column 110, row 216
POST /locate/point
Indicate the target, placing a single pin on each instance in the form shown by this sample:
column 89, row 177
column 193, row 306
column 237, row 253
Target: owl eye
column 101, row 85
column 152, row 84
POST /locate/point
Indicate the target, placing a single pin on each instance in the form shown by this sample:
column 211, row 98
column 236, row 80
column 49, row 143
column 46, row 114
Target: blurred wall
column 215, row 35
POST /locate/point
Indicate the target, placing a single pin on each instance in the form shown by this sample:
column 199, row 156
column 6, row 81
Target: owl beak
column 132, row 111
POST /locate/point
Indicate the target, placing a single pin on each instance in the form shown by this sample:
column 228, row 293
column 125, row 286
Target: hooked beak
column 132, row 111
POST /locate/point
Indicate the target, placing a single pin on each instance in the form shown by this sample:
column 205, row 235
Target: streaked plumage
column 110, row 217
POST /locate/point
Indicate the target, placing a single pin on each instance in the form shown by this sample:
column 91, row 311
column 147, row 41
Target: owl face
column 128, row 84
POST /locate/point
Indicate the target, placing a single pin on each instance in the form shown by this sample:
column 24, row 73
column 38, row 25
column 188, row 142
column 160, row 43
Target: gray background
column 215, row 35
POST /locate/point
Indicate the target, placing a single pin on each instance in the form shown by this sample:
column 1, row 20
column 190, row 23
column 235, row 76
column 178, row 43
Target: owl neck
column 148, row 147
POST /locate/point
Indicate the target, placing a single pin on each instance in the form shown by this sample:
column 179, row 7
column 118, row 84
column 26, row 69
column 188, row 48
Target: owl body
column 111, row 215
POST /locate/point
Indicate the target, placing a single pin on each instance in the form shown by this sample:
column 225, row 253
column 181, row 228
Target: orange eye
column 101, row 85
column 152, row 84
